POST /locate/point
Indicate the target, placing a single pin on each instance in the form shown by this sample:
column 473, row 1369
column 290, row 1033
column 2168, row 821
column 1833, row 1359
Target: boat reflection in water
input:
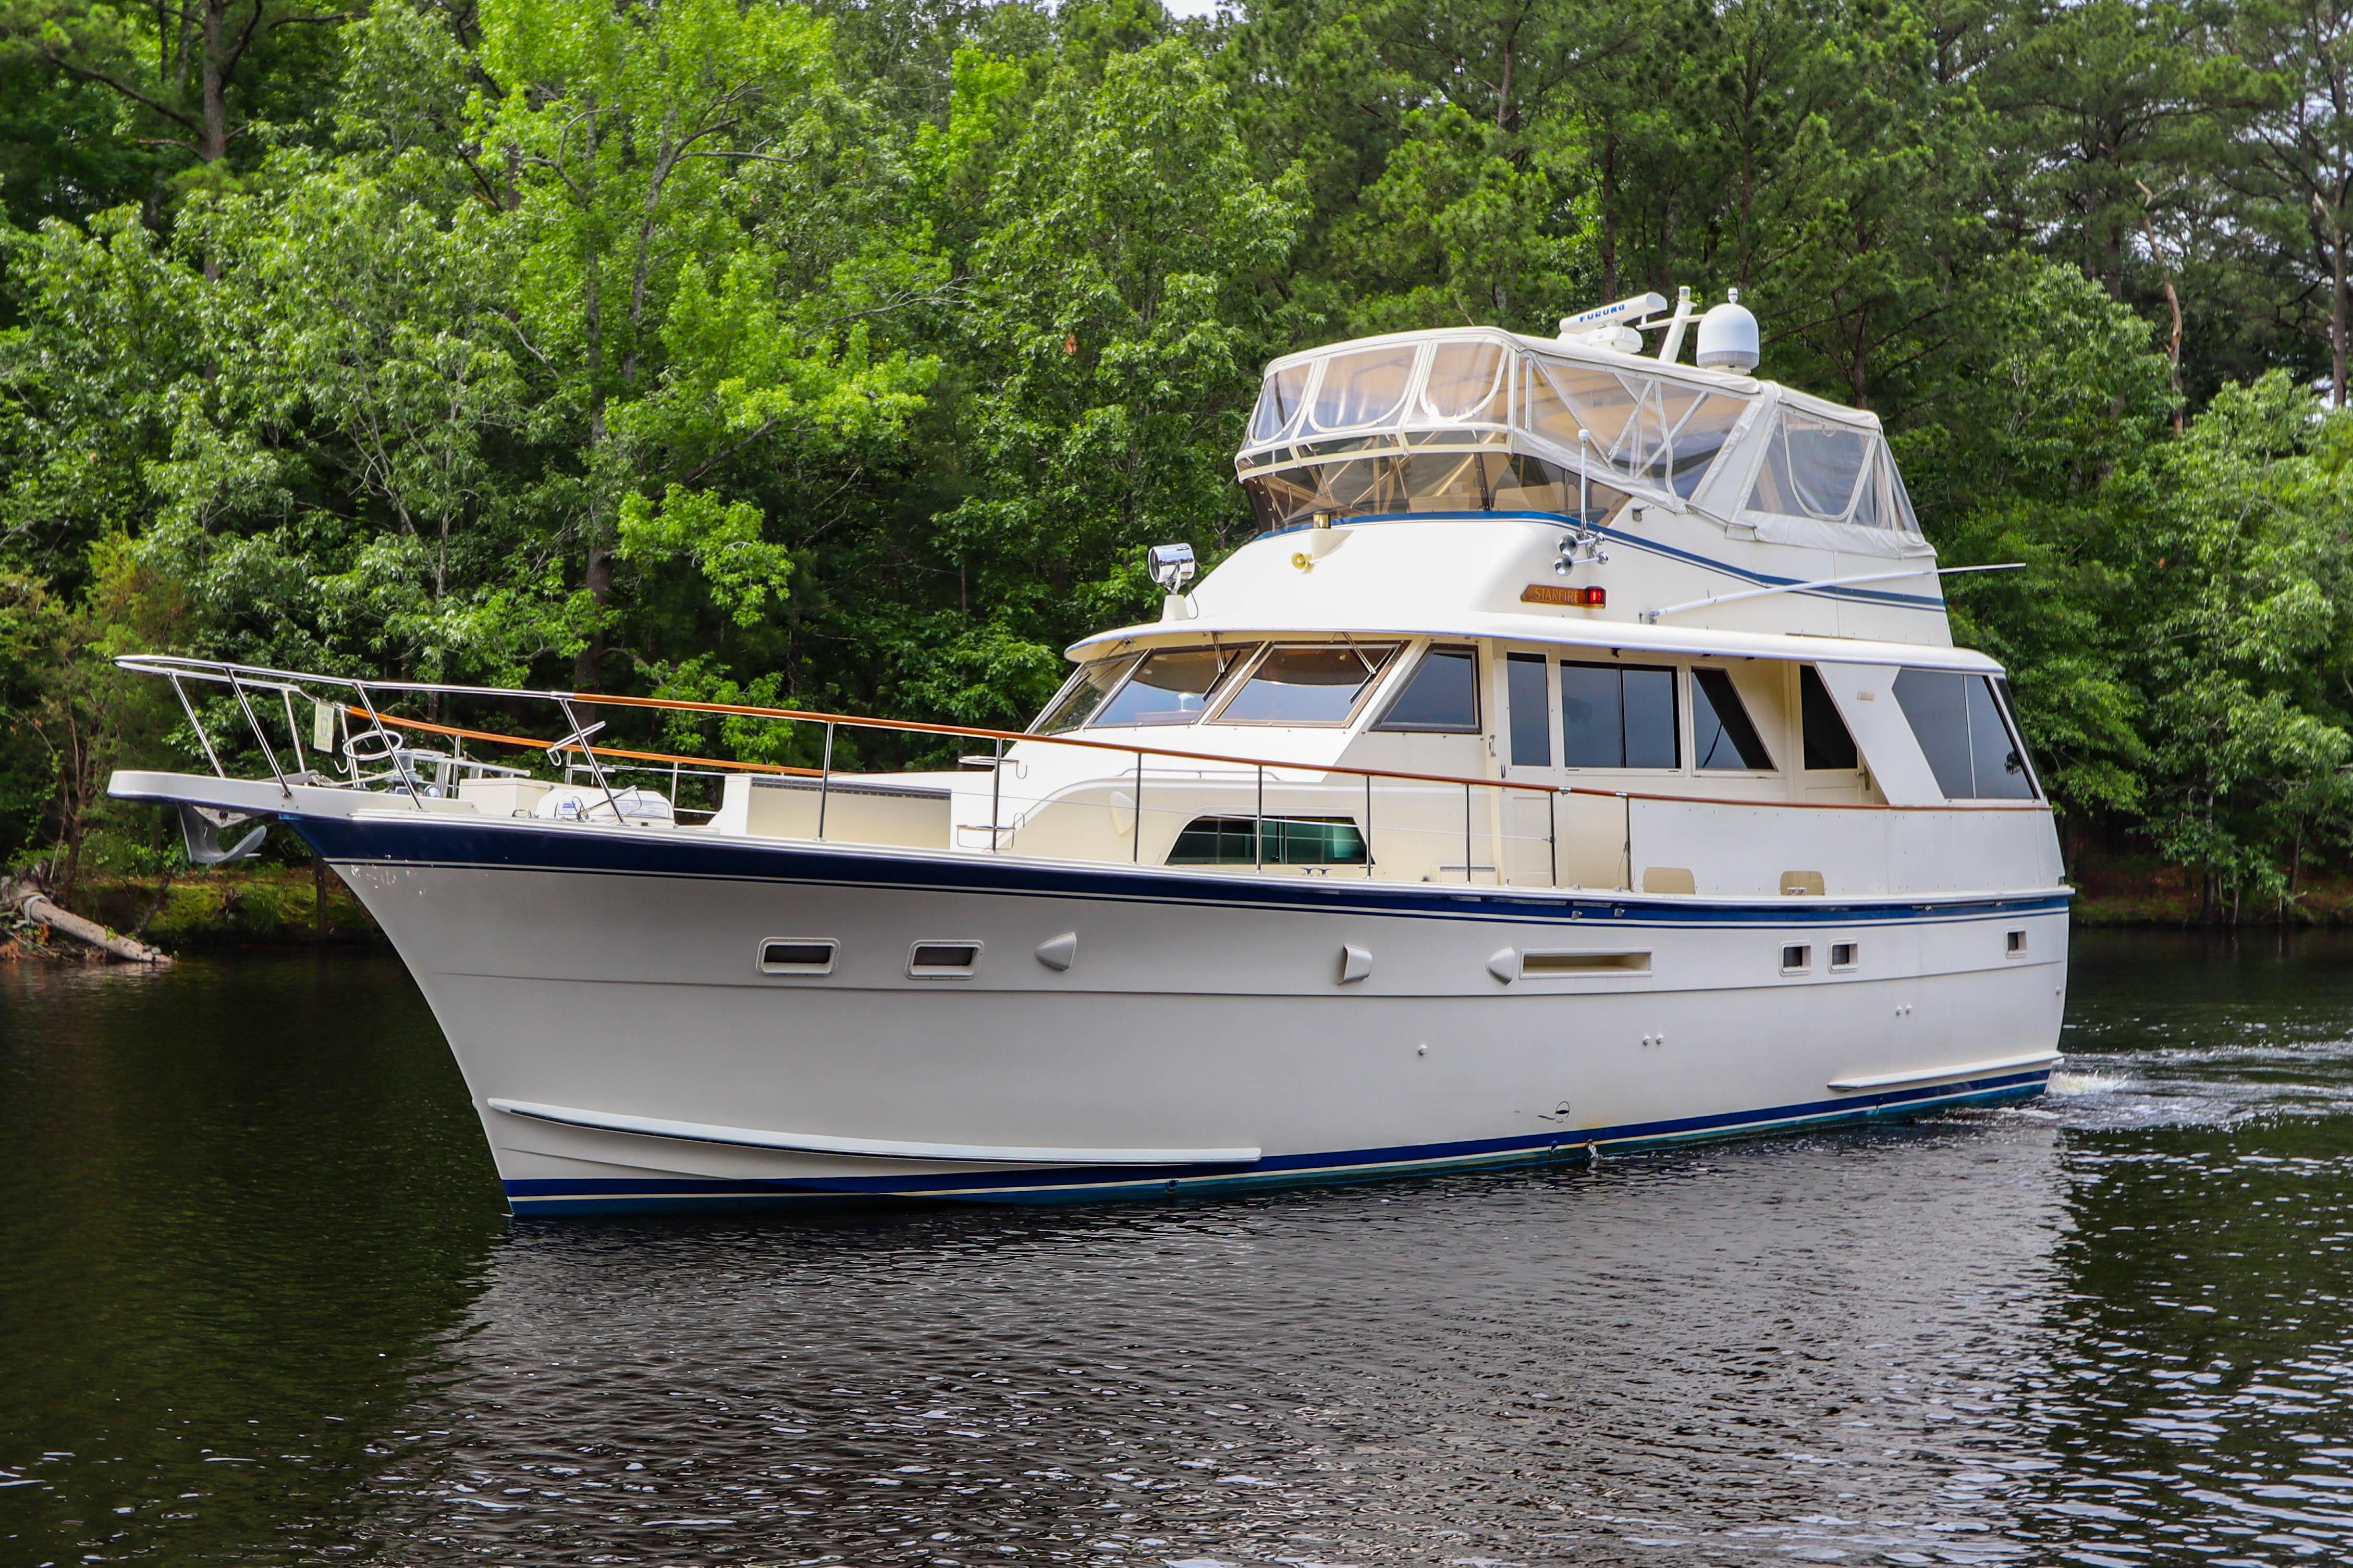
column 1578, row 759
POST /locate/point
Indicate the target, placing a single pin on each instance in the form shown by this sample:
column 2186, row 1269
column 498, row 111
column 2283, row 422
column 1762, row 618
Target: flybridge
column 1478, row 419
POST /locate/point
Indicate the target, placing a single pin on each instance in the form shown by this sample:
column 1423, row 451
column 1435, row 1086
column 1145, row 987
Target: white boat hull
column 602, row 991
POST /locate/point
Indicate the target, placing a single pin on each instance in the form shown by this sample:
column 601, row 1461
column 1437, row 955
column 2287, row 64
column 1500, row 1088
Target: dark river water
column 259, row 1303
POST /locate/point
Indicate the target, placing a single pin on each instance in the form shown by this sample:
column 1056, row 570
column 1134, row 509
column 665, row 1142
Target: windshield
column 1305, row 685
column 1170, row 686
column 1077, row 701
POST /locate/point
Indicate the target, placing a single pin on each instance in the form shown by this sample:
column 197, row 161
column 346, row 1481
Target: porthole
column 1797, row 959
column 1842, row 955
column 2014, row 944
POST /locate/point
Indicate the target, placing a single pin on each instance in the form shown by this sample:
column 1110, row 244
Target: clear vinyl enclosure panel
column 1482, row 420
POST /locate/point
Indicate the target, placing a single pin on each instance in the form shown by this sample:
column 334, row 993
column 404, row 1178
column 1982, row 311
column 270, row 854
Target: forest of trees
column 841, row 356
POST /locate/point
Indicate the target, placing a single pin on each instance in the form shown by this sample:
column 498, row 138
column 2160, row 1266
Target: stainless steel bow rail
column 384, row 745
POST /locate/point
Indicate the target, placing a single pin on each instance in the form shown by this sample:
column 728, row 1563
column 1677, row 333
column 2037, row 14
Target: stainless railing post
column 1258, row 825
column 1466, row 833
column 995, row 793
column 1135, row 846
column 294, row 730
column 202, row 739
column 579, row 737
column 825, row 779
column 1552, row 832
column 267, row 754
column 1368, row 825
column 399, row 759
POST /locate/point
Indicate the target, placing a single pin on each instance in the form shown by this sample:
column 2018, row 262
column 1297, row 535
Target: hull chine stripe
column 868, row 1147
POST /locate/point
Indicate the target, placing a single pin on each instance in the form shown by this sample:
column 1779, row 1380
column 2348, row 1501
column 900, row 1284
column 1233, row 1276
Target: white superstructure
column 1578, row 758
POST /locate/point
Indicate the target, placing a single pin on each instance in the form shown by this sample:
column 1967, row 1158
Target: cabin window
column 1531, row 713
column 1722, row 739
column 1828, row 742
column 1081, row 695
column 1280, row 841
column 1170, row 686
column 1617, row 716
column 1442, row 697
column 1963, row 734
column 1308, row 684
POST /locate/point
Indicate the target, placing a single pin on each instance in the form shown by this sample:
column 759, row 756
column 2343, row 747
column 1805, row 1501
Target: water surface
column 258, row 1303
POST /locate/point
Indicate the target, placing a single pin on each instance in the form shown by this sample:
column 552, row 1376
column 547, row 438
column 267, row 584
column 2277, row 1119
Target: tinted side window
column 1723, row 739
column 1617, row 716
column 1592, row 716
column 1531, row 715
column 1999, row 766
column 1964, row 734
column 1937, row 704
column 1441, row 695
column 1827, row 743
column 1651, row 740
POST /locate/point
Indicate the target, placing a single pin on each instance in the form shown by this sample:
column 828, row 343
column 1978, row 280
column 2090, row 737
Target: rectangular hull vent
column 786, row 955
column 1533, row 965
column 942, row 960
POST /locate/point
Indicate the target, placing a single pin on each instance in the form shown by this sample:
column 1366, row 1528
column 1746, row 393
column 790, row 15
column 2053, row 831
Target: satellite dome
column 1727, row 336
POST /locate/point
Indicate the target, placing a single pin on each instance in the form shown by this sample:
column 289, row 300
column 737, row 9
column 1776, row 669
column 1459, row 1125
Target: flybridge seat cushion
column 1481, row 420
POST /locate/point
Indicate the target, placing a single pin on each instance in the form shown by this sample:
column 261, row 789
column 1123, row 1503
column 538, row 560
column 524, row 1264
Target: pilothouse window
column 1310, row 684
column 1171, row 686
column 1077, row 702
column 1442, row 697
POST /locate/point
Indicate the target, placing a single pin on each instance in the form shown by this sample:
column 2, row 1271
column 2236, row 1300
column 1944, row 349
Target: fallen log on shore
column 29, row 900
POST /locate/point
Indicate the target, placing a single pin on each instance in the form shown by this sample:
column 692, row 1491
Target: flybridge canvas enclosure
column 1481, row 420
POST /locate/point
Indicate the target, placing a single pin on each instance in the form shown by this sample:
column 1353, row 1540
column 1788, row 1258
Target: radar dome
column 1727, row 336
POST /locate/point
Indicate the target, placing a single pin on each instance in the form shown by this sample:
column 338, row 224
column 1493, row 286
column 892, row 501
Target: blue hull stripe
column 1636, row 542
column 682, row 1194
column 446, row 842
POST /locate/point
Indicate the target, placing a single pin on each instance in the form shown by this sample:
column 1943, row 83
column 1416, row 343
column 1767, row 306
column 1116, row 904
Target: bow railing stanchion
column 1368, row 826
column 399, row 762
column 1258, row 824
column 202, row 739
column 995, row 793
column 1136, row 839
column 825, row 783
column 269, row 753
column 579, row 737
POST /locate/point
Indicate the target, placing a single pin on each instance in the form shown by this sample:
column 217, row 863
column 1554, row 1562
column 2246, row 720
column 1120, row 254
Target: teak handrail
column 219, row 669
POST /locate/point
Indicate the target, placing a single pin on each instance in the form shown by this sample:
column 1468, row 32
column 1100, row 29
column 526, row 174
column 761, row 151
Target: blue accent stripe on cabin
column 1635, row 540
column 572, row 1198
column 430, row 839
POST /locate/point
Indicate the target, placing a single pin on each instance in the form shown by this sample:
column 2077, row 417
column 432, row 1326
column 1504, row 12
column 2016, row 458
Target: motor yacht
column 1575, row 761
